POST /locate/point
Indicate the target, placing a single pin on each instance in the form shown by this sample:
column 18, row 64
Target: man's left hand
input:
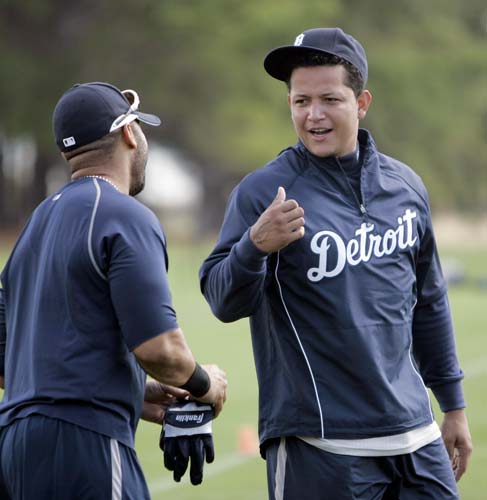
column 458, row 441
column 157, row 398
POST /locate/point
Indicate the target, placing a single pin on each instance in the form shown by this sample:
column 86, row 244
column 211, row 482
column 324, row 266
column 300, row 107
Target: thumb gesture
column 280, row 224
column 280, row 196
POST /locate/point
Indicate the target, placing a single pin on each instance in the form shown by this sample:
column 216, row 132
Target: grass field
column 235, row 476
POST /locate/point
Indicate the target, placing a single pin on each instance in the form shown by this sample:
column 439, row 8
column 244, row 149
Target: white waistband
column 397, row 444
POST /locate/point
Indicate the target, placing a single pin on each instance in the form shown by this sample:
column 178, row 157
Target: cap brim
column 153, row 120
column 280, row 62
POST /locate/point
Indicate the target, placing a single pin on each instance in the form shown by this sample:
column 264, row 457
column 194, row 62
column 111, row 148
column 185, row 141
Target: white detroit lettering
column 361, row 248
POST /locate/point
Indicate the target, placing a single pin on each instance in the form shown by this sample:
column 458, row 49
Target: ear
column 129, row 136
column 363, row 100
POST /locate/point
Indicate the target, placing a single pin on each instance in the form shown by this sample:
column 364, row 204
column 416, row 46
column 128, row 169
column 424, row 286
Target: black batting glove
column 186, row 435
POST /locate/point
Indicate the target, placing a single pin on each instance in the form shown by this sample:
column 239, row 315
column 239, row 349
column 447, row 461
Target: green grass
column 235, row 476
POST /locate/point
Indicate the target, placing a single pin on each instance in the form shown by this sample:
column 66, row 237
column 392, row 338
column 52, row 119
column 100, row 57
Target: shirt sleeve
column 430, row 281
column 232, row 278
column 138, row 281
column 3, row 333
column 433, row 335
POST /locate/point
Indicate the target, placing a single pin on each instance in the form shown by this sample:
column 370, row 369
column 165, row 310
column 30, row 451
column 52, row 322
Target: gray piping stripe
column 421, row 380
column 302, row 348
column 90, row 231
column 280, row 470
column 116, row 470
column 416, row 371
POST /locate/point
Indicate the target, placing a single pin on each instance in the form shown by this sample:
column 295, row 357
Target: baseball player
column 88, row 313
column 329, row 250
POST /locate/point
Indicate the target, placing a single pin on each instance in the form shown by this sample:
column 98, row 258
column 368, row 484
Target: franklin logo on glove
column 187, row 435
column 197, row 419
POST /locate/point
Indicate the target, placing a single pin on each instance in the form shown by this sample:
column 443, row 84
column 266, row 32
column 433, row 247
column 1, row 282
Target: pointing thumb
column 281, row 195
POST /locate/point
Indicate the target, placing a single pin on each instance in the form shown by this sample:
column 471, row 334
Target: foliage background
column 199, row 65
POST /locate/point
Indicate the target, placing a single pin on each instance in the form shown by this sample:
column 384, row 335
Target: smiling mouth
column 320, row 132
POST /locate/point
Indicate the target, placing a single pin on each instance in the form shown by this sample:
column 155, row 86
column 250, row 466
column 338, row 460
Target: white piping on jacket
column 302, row 348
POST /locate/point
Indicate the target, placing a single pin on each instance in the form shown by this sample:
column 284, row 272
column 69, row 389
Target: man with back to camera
column 88, row 312
column 329, row 249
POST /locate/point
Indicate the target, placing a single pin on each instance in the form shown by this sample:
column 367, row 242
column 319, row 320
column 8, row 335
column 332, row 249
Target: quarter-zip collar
column 360, row 159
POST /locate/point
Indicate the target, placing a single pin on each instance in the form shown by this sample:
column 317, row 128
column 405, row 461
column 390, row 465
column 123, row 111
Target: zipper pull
column 364, row 213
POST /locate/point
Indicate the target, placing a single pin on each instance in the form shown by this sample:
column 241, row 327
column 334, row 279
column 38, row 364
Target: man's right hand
column 280, row 224
column 217, row 394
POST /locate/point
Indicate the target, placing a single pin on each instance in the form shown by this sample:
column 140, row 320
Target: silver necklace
column 103, row 179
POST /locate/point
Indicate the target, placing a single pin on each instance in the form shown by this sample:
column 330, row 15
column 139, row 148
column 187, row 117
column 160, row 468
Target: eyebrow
column 324, row 94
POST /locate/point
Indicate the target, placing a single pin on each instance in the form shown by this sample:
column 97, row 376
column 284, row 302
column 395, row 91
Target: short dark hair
column 353, row 80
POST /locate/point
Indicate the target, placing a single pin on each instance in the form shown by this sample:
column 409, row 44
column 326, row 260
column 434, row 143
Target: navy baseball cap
column 88, row 111
column 280, row 62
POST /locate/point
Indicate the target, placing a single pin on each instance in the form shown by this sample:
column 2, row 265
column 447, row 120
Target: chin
column 322, row 152
column 136, row 188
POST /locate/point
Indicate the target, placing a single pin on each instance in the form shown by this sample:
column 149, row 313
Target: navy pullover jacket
column 350, row 323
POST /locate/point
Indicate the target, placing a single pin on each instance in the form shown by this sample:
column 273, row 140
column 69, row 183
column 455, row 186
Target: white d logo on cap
column 299, row 39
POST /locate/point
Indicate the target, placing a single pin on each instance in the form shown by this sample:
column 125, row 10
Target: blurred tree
column 199, row 65
column 428, row 76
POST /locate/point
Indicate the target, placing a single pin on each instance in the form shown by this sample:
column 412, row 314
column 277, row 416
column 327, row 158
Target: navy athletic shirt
column 85, row 284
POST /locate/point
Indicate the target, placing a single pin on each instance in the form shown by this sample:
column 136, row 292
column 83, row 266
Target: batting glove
column 186, row 434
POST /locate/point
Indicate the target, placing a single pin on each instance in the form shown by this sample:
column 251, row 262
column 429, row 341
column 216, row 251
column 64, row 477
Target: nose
column 316, row 111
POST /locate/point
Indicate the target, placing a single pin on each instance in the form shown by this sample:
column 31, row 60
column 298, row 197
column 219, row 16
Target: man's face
column 139, row 161
column 325, row 112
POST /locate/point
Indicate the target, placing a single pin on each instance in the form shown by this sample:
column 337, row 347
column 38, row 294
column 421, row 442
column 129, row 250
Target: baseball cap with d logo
column 280, row 62
column 88, row 111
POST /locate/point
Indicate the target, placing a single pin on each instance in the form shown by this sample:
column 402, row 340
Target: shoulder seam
column 397, row 175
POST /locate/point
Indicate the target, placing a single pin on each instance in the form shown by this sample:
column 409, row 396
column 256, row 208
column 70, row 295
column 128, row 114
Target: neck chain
column 103, row 179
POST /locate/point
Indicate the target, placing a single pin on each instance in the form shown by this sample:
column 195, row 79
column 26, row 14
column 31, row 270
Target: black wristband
column 198, row 384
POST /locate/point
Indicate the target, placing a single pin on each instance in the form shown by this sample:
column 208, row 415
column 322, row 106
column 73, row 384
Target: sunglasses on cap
column 129, row 116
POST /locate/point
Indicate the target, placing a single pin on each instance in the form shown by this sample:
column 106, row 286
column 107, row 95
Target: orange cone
column 248, row 442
